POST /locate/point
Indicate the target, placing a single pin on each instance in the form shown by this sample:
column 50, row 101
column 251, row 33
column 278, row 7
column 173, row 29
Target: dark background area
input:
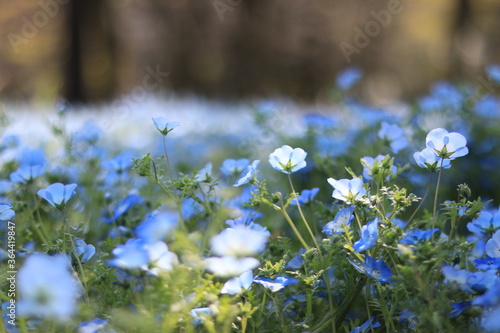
column 91, row 50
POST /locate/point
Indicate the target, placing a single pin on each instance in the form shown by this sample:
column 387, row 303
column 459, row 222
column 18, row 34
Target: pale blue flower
column 287, row 159
column 305, row 197
column 493, row 245
column 490, row 319
column 248, row 174
column 232, row 167
column 96, row 325
column 230, row 266
column 132, row 255
column 157, row 227
column 240, row 241
column 486, row 224
column 57, row 194
column 394, row 135
column 297, row 261
column 427, row 159
column 199, row 315
column 493, row 72
column 376, row 269
column 6, row 212
column 203, row 175
column 348, row 190
column 446, row 145
column 119, row 164
column 369, row 237
column 164, row 126
column 279, row 282
column 342, row 218
column 27, row 173
column 47, row 288
column 348, row 78
column 369, row 163
column 84, row 250
column 238, row 284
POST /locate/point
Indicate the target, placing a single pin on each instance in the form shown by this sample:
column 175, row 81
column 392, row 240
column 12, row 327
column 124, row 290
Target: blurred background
column 96, row 50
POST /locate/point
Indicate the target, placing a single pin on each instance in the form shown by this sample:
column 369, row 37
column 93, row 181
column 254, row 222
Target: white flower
column 288, row 160
column 348, row 190
column 230, row 266
column 446, row 145
column 240, row 241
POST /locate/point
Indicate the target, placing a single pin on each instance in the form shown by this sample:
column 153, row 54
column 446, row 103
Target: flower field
column 185, row 215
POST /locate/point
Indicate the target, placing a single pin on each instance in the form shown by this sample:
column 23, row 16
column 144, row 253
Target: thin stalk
column 421, row 201
column 292, row 225
column 434, row 215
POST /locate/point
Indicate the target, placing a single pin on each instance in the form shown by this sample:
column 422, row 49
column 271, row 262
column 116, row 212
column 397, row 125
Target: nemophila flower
column 47, row 288
column 10, row 141
column 165, row 126
column 427, row 159
column 84, row 250
column 348, row 78
column 490, row 319
column 190, row 208
column 488, row 106
column 452, row 275
column 157, row 227
column 279, row 282
column 232, row 167
column 486, row 224
column 230, row 266
column 119, row 164
column 287, row 159
column 348, row 190
column 493, row 72
column 248, row 174
column 493, row 245
column 297, row 261
column 373, row 166
column 96, row 325
column 89, row 133
column 305, row 197
column 199, row 315
column 241, row 241
column 160, row 258
column 459, row 308
column 123, row 206
column 57, row 194
column 369, row 237
column 132, row 255
column 376, row 269
column 238, row 284
column 394, row 135
column 6, row 212
column 246, row 221
column 317, row 121
column 29, row 156
column 446, row 145
column 203, row 175
column 367, row 326
column 488, row 264
column 342, row 218
column 491, row 297
column 27, row 173
column 417, row 236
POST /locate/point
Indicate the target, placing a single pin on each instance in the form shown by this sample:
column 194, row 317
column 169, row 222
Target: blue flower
column 376, row 269
column 6, row 212
column 347, row 190
column 119, row 164
column 488, row 106
column 57, row 194
column 164, row 126
column 248, row 174
column 306, row 196
column 488, row 264
column 203, row 175
column 287, row 159
column 446, row 145
column 238, row 284
column 369, row 237
column 490, row 320
column 486, row 224
column 232, row 167
column 157, row 227
column 348, row 78
column 394, row 135
column 427, row 159
column 124, row 206
column 371, row 164
column 493, row 72
column 132, row 255
column 240, row 241
column 297, row 261
column 417, row 236
column 47, row 287
column 96, row 325
column 342, row 218
column 493, row 245
column 279, row 282
column 318, row 121
column 27, row 173
column 84, row 250
column 230, row 266
column 366, row 326
column 32, row 157
column 90, row 133
column 491, row 297
column 199, row 315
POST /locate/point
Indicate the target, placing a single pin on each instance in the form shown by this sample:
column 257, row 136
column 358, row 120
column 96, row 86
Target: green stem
column 421, row 201
column 292, row 225
column 434, row 215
